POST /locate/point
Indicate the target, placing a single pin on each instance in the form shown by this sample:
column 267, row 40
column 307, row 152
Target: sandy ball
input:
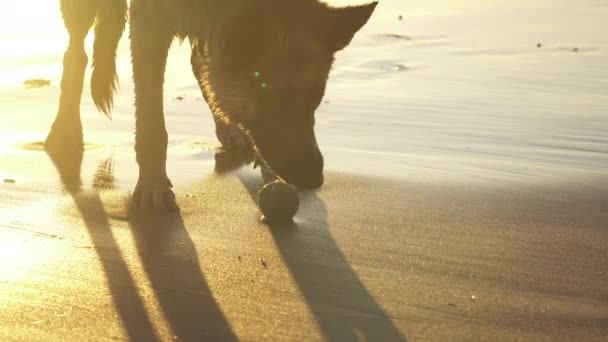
column 278, row 201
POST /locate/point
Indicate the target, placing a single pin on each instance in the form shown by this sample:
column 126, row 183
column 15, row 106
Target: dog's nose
column 305, row 173
column 310, row 182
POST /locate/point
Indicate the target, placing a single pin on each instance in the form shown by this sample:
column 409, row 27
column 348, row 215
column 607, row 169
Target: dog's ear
column 341, row 24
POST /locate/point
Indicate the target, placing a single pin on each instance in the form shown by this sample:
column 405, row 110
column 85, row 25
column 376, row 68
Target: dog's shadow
column 174, row 272
column 339, row 301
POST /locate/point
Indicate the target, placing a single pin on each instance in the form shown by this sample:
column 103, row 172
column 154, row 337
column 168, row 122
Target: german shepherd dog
column 262, row 66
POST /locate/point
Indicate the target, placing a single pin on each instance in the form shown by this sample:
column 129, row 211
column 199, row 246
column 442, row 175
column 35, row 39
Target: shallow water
column 455, row 91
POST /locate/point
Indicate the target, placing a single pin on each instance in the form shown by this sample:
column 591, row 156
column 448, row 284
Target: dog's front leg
column 229, row 134
column 151, row 37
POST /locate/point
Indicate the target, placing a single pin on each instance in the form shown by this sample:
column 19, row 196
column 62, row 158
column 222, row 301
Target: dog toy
column 278, row 201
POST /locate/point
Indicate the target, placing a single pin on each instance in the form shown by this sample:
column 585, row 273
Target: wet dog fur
column 262, row 66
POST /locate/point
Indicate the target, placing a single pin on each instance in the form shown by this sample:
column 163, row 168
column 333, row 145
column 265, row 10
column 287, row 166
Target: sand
column 466, row 194
column 409, row 261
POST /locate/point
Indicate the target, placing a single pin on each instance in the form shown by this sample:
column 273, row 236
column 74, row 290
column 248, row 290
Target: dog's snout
column 309, row 182
column 305, row 172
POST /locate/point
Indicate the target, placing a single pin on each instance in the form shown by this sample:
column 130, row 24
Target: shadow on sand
column 174, row 273
column 340, row 302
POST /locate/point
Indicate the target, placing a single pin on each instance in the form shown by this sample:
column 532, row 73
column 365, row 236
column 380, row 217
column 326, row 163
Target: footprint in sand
column 394, row 36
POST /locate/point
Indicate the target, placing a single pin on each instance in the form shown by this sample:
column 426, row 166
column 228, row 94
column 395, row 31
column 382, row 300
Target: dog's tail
column 109, row 27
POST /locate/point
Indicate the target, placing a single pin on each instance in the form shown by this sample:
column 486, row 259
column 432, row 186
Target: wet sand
column 466, row 194
column 365, row 259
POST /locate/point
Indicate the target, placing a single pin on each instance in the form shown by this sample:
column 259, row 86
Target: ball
column 278, row 201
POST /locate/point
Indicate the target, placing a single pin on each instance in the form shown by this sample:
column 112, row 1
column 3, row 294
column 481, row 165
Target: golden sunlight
column 386, row 170
column 33, row 40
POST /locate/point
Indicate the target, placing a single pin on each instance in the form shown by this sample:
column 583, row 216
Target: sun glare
column 33, row 39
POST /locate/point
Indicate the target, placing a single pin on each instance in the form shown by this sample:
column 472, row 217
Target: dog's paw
column 153, row 197
column 232, row 138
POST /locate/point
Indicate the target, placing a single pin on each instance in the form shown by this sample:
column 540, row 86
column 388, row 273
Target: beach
column 466, row 193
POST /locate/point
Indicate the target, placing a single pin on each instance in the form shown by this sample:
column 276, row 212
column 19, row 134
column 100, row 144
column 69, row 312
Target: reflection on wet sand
column 127, row 301
column 341, row 304
column 104, row 176
column 176, row 278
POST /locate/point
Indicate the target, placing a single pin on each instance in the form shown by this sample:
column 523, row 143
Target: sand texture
column 466, row 150
column 408, row 261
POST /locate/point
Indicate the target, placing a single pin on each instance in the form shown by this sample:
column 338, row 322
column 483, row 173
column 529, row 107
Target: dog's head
column 265, row 68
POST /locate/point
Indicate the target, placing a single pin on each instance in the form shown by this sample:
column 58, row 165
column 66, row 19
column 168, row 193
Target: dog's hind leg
column 151, row 36
column 66, row 132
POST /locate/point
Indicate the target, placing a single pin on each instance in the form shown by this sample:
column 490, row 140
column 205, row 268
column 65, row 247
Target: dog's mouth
column 308, row 177
column 304, row 171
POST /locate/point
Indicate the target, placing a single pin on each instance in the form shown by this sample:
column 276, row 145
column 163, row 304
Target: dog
column 262, row 66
